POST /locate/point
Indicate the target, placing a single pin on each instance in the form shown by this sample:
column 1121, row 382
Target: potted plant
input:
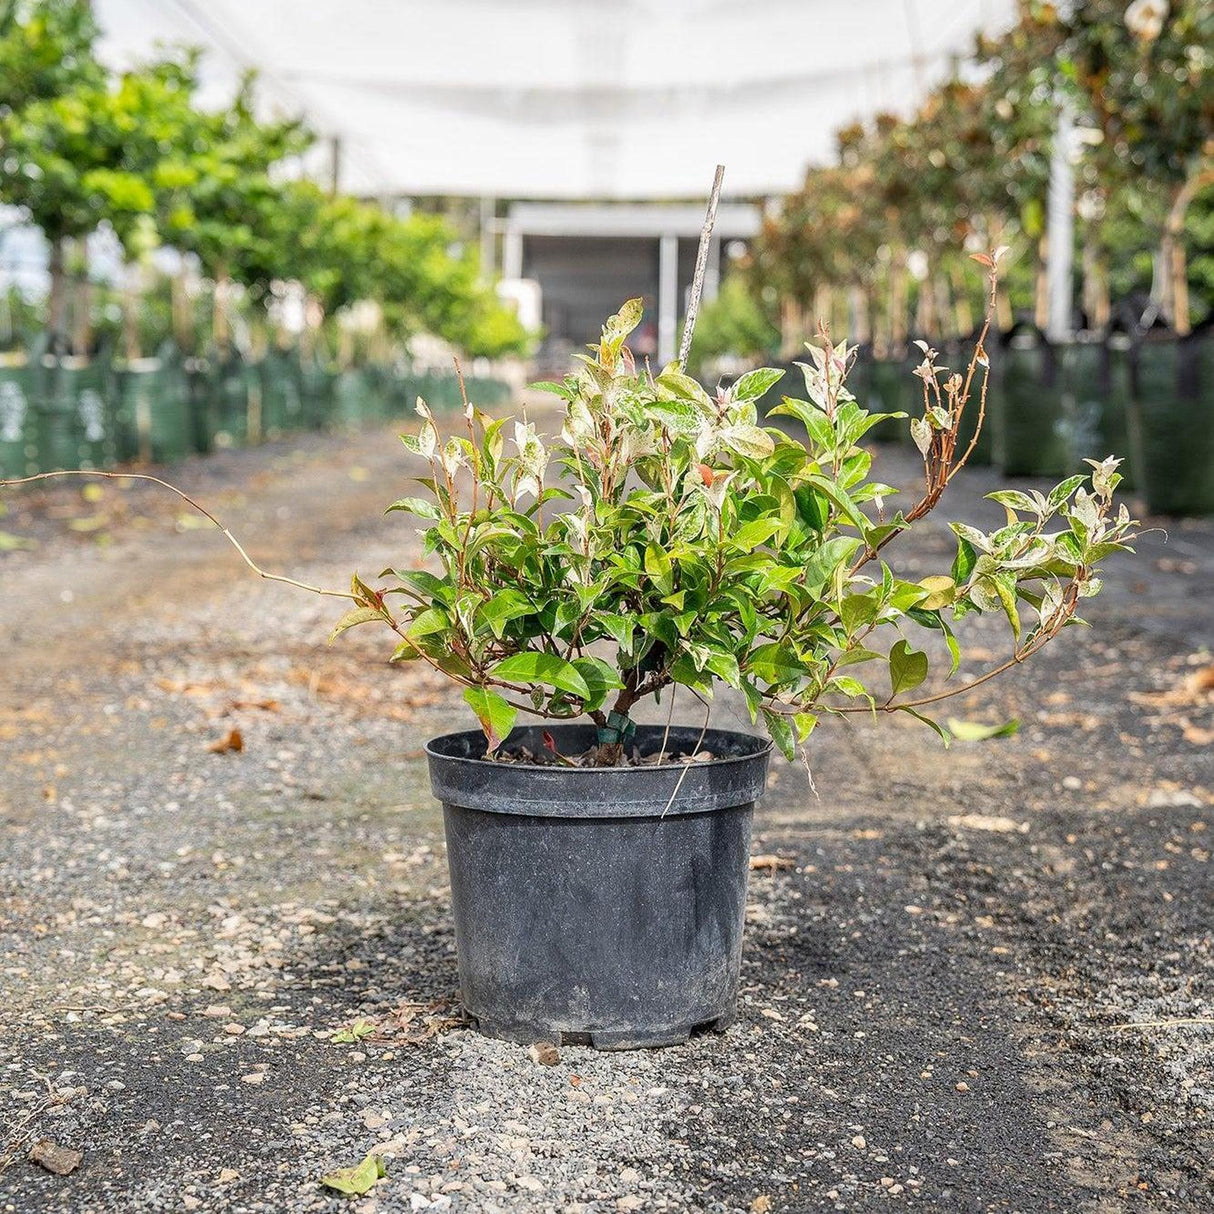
column 663, row 544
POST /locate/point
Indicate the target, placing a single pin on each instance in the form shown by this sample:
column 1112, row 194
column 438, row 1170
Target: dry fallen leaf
column 1196, row 735
column 991, row 822
column 232, row 740
column 770, row 862
column 54, row 1158
column 545, row 1053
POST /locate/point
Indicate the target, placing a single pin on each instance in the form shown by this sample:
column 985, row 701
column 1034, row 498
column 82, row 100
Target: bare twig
column 697, row 281
column 185, row 497
column 691, row 758
column 1195, row 1021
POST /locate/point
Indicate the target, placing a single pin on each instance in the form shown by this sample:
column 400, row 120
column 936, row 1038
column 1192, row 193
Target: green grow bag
column 1095, row 399
column 488, row 393
column 154, row 412
column 1030, row 438
column 318, row 387
column 235, row 401
column 353, row 402
column 74, row 413
column 281, row 382
column 1173, row 420
column 18, row 431
column 889, row 387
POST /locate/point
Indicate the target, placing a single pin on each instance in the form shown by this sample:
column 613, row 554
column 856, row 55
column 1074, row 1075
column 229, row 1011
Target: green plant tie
column 620, row 727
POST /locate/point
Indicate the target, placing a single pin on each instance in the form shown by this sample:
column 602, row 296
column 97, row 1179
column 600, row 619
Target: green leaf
column 546, row 385
column 659, row 567
column 359, row 615
column 357, row 1180
column 945, row 736
column 618, row 627
column 941, row 592
column 428, row 622
column 755, row 534
column 820, row 568
column 1061, row 492
column 907, row 668
column 853, row 514
column 416, row 505
column 748, row 440
column 1005, row 588
column 725, row 667
column 504, row 606
column 356, row 1031
column 781, row 730
column 964, row 562
column 804, row 722
column 754, row 384
column 973, row 731
column 600, row 677
column 495, row 715
column 425, row 582
column 683, row 386
column 543, row 668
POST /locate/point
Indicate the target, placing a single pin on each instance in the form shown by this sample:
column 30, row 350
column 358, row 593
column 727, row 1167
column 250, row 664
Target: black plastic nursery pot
column 600, row 906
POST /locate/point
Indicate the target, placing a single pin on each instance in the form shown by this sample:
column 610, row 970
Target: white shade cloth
column 569, row 98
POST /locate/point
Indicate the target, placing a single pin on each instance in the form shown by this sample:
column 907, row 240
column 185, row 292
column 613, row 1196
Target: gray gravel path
column 937, row 982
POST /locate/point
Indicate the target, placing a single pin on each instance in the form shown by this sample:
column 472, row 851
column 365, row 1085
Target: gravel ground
column 977, row 981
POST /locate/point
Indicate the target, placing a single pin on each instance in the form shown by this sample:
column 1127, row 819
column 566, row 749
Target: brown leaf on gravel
column 54, row 1158
column 1196, row 734
column 545, row 1053
column 1196, row 689
column 990, row 822
column 413, row 1023
column 770, row 862
column 232, row 740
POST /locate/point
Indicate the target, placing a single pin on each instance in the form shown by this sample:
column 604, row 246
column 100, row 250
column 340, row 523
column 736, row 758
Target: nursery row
column 68, row 413
column 1052, row 406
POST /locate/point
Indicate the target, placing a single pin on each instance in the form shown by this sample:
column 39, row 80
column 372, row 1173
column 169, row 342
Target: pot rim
column 763, row 747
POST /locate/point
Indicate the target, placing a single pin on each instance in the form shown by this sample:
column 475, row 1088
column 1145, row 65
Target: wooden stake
column 697, row 281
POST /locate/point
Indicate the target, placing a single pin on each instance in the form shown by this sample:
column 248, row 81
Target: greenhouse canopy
column 567, row 98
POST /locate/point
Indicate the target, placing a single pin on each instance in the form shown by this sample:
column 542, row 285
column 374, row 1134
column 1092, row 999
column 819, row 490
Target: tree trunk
column 130, row 316
column 58, row 292
column 943, row 301
column 82, row 327
column 824, row 302
column 1179, row 272
column 963, row 314
column 897, row 302
column 859, row 331
column 1095, row 282
column 179, row 306
column 1174, row 268
column 220, row 331
column 792, row 325
column 1041, row 298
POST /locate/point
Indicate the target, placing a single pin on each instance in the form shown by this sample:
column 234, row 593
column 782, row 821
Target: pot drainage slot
column 576, row 1039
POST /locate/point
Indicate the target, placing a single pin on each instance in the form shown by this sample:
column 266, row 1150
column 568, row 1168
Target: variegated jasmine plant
column 667, row 539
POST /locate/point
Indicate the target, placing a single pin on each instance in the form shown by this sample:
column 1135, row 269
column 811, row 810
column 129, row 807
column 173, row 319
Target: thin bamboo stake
column 697, row 281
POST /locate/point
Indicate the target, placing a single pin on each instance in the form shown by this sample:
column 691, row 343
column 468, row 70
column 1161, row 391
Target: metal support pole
column 512, row 253
column 488, row 258
column 668, row 297
column 1060, row 226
